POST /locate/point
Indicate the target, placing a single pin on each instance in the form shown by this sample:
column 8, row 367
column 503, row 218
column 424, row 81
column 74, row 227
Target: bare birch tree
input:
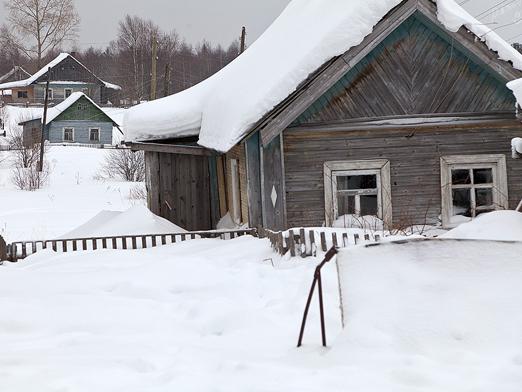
column 37, row 27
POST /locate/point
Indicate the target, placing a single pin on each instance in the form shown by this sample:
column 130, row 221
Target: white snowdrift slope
column 136, row 220
column 497, row 225
column 437, row 316
column 72, row 196
column 306, row 35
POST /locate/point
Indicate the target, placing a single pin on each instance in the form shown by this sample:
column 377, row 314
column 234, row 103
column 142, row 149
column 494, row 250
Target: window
column 51, row 94
column 68, row 135
column 22, row 94
column 472, row 185
column 94, row 135
column 82, row 107
column 357, row 188
column 67, row 92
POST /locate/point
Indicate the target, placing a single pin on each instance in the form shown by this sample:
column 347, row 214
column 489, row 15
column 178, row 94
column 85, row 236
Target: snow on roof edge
column 57, row 60
column 328, row 31
column 55, row 111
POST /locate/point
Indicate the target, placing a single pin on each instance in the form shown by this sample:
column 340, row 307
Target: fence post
column 3, row 249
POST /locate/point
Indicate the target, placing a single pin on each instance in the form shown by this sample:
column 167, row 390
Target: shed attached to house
column 76, row 120
column 410, row 122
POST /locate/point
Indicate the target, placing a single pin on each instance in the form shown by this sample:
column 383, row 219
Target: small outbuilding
column 398, row 110
column 78, row 119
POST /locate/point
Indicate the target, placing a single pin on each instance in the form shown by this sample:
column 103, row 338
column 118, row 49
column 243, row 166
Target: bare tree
column 38, row 27
column 124, row 164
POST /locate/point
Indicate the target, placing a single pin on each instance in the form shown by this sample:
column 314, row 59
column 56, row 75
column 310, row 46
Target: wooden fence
column 21, row 249
column 306, row 242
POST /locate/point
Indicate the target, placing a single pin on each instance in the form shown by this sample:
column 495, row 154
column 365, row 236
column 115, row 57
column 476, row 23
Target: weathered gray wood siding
column 81, row 131
column 179, row 189
column 417, row 69
column 253, row 166
column 414, row 155
column 92, row 90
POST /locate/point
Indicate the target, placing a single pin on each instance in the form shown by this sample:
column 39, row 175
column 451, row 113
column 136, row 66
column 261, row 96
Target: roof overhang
column 180, row 149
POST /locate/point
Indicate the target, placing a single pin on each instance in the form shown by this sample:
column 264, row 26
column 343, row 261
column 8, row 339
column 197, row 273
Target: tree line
column 37, row 30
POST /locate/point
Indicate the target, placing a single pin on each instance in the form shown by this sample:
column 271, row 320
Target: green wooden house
column 78, row 119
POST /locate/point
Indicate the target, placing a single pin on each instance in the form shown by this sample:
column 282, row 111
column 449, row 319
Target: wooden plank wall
column 414, row 156
column 253, row 159
column 416, row 69
column 179, row 189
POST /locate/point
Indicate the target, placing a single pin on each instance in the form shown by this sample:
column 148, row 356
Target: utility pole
column 242, row 46
column 166, row 84
column 44, row 121
column 154, row 81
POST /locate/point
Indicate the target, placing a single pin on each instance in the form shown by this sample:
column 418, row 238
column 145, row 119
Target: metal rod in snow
column 44, row 121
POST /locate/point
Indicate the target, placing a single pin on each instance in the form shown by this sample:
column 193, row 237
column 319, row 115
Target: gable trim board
column 318, row 84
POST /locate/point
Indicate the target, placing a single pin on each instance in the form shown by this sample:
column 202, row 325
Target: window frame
column 99, row 134
column 379, row 167
column 22, row 92
column 468, row 162
column 65, row 92
column 63, row 136
column 51, row 94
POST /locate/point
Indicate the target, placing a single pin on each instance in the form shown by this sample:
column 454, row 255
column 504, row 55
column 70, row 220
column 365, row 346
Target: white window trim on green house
column 72, row 134
column 498, row 185
column 91, row 134
column 378, row 167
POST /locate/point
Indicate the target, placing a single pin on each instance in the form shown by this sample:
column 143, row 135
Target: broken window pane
column 345, row 205
column 357, row 182
column 483, row 176
column 484, row 197
column 462, row 202
column 369, row 205
column 460, row 177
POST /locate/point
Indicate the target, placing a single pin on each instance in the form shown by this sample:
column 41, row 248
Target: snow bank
column 432, row 316
column 306, row 35
column 497, row 225
column 516, row 145
column 516, row 87
column 135, row 221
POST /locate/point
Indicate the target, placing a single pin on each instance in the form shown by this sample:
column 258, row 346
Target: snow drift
column 307, row 34
column 135, row 221
column 438, row 315
column 497, row 225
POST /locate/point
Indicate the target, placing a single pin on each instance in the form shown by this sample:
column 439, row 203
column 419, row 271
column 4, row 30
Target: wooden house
column 68, row 76
column 412, row 124
column 78, row 119
column 16, row 74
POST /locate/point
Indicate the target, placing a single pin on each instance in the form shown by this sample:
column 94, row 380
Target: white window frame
column 65, row 92
column 63, row 138
column 51, row 94
column 235, row 190
column 99, row 134
column 379, row 167
column 500, row 186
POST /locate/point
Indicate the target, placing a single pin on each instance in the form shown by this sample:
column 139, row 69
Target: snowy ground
column 71, row 198
column 203, row 315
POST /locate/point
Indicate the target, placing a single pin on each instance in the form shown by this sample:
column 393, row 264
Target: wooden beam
column 171, row 148
column 447, row 121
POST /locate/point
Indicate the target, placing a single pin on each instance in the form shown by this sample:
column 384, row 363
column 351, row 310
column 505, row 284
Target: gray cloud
column 220, row 21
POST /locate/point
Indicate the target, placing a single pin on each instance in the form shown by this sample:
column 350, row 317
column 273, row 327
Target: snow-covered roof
column 13, row 71
column 61, row 57
column 223, row 108
column 55, row 111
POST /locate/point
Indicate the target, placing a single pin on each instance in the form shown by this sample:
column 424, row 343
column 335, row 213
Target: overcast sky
column 220, row 21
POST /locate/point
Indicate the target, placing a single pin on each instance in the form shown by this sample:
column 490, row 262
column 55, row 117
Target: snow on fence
column 306, row 242
column 21, row 249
